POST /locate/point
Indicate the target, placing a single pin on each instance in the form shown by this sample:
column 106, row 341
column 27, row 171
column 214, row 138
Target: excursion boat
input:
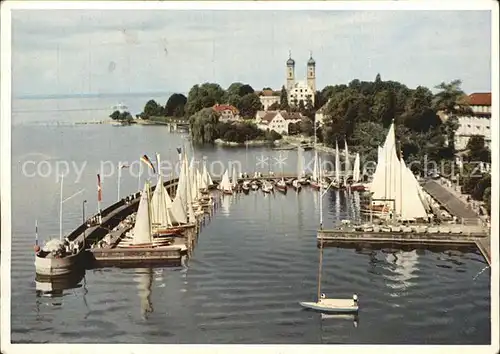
column 58, row 256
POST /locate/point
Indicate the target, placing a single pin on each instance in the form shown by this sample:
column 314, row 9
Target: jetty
column 457, row 207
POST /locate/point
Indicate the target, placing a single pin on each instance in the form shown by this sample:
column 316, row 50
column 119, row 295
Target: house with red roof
column 476, row 123
column 227, row 112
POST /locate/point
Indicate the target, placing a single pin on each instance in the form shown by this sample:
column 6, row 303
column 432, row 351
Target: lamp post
column 83, row 217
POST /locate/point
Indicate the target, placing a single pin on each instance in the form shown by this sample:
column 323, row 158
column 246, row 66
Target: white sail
column 206, row 175
column 225, row 184
column 159, row 205
column 179, row 205
column 356, row 170
column 142, row 227
column 337, row 163
column 411, row 206
column 189, row 197
column 234, row 179
column 347, row 163
column 202, row 180
column 300, row 162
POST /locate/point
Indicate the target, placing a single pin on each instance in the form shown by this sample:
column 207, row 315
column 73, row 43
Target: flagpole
column 119, row 178
column 139, row 177
column 60, row 209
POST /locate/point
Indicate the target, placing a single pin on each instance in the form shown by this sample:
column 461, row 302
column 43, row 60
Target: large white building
column 477, row 123
column 297, row 90
column 300, row 90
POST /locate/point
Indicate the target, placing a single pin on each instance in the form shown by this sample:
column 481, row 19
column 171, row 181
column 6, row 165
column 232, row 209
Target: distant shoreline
column 89, row 95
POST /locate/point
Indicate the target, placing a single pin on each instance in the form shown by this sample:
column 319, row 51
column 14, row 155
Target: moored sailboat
column 323, row 304
column 225, row 185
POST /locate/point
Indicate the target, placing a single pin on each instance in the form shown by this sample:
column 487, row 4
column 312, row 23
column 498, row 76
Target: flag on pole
column 99, row 189
column 148, row 162
column 124, row 166
column 179, row 150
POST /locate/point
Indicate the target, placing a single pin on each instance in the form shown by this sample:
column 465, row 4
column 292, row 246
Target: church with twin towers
column 300, row 90
column 297, row 90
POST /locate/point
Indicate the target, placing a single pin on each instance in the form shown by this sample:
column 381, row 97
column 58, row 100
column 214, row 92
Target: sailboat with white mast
column 225, row 184
column 324, row 304
column 300, row 169
column 357, row 184
column 394, row 187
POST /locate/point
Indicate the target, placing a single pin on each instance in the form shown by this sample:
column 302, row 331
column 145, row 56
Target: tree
column 175, row 105
column 245, row 90
column 123, row 117
column 452, row 101
column 284, row 99
column 203, row 126
column 115, row 115
column 487, row 199
column 152, row 109
column 274, row 107
column 203, row 96
column 272, row 135
column 477, row 150
column 249, row 105
column 307, row 126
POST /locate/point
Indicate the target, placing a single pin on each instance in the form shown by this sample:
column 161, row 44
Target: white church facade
column 297, row 90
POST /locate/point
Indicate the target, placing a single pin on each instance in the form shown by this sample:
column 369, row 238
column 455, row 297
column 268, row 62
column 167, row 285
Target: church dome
column 311, row 61
column 290, row 62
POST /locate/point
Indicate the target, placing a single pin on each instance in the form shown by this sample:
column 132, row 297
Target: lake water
column 254, row 261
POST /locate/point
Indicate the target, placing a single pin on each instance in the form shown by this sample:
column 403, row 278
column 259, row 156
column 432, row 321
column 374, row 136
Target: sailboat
column 162, row 218
column 225, row 185
column 245, row 187
column 394, row 186
column 323, row 304
column 300, row 168
column 234, row 180
column 336, row 182
column 141, row 236
column 315, row 182
column 356, row 184
column 281, row 185
column 347, row 170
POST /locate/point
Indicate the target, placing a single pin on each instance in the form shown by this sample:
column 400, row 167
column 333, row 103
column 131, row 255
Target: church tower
column 290, row 73
column 311, row 73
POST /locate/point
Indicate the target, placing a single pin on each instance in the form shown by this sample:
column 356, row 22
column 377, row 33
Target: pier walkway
column 461, row 209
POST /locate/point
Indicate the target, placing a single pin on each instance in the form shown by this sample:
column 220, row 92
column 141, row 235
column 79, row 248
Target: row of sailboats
column 350, row 178
column 159, row 216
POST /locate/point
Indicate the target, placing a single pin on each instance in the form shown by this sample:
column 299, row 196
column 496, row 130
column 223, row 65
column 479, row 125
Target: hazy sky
column 165, row 50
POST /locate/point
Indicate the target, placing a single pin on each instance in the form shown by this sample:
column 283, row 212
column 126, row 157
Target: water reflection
column 404, row 267
column 56, row 287
column 144, row 279
column 226, row 204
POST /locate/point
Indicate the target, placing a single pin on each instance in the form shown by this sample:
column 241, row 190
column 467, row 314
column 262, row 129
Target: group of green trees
column 174, row 107
column 123, row 117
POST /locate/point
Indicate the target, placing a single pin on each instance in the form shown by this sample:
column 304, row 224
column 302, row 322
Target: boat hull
column 333, row 306
column 53, row 267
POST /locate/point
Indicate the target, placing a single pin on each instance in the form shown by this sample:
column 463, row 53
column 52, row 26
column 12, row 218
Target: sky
column 123, row 51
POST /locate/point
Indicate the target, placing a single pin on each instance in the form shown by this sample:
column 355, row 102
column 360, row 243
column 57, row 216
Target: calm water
column 253, row 263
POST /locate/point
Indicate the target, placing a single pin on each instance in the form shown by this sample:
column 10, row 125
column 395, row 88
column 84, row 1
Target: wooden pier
column 458, row 208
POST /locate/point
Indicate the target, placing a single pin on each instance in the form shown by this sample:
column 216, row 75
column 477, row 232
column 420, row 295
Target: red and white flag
column 99, row 189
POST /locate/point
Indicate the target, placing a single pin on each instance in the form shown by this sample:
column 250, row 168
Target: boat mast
column 320, row 266
column 60, row 208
